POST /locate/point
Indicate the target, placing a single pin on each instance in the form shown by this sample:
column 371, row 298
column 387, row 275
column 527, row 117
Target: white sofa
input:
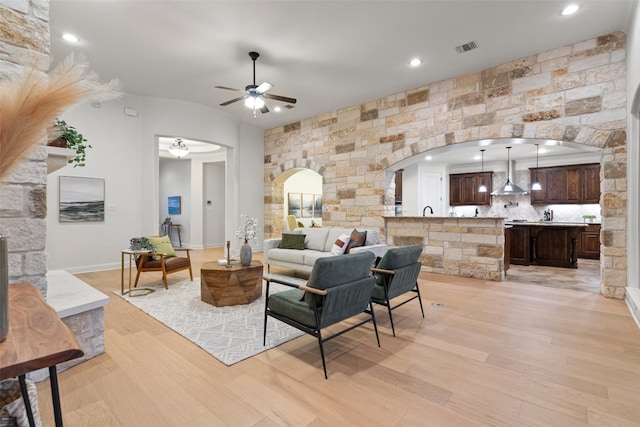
column 317, row 244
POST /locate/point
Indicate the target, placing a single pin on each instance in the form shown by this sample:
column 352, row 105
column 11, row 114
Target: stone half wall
column 469, row 247
column 24, row 41
column 574, row 93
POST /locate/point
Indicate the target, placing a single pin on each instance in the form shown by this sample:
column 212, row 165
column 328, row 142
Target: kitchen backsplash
column 519, row 207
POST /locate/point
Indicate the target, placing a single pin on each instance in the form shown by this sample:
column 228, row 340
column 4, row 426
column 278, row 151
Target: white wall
column 214, row 204
column 633, row 140
column 175, row 177
column 125, row 154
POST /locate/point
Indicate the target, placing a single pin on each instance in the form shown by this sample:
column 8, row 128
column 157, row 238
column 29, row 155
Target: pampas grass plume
column 30, row 104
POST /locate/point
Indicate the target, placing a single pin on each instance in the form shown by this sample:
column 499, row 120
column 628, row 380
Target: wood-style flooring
column 494, row 353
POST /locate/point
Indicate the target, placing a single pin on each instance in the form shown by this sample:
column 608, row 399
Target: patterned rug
column 230, row 334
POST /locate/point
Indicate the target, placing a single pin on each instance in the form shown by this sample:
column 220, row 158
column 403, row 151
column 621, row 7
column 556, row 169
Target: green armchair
column 396, row 274
column 339, row 288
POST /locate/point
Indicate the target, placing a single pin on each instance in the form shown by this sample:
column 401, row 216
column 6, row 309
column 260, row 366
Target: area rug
column 230, row 334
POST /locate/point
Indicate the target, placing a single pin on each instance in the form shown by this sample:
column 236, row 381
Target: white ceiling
column 327, row 54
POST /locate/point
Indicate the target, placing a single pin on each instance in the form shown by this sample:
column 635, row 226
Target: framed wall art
column 307, row 205
column 81, row 199
column 317, row 205
column 174, row 204
column 295, row 204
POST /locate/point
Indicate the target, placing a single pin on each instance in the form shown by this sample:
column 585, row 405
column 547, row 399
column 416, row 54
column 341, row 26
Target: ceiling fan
column 255, row 95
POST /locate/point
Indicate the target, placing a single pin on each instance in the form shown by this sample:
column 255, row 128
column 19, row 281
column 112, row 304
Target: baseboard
column 632, row 298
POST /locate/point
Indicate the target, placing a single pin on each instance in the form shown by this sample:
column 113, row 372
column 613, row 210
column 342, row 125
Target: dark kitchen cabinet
column 556, row 185
column 591, row 184
column 589, row 243
column 463, row 189
column 519, row 245
column 573, row 184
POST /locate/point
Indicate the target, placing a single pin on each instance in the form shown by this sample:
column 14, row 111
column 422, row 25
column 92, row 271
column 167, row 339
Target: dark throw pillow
column 357, row 239
column 292, row 241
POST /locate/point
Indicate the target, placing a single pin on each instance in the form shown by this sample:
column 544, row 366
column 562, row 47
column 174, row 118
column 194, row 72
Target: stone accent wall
column 574, row 93
column 469, row 247
column 24, row 42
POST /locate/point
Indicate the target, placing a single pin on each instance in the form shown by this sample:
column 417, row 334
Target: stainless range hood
column 509, row 188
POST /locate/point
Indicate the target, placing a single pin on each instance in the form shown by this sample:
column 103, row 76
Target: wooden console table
column 37, row 339
column 221, row 285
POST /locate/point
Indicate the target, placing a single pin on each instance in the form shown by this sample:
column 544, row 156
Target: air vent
column 288, row 106
column 466, row 47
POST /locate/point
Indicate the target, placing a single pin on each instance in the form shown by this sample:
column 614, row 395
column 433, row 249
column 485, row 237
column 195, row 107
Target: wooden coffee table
column 221, row 285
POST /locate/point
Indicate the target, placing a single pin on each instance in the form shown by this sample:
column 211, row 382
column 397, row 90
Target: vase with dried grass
column 30, row 101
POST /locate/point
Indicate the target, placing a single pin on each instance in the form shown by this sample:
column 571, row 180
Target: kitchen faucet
column 425, row 209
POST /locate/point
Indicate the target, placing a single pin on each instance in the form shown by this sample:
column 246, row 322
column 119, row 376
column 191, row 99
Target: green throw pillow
column 163, row 246
column 292, row 241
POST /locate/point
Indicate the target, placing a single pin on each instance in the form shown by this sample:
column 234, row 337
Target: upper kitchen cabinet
column 463, row 189
column 591, row 183
column 573, row 184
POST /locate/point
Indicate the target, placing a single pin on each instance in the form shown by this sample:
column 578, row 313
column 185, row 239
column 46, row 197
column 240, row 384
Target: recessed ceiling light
column 277, row 109
column 415, row 62
column 428, row 158
column 70, row 38
column 570, row 10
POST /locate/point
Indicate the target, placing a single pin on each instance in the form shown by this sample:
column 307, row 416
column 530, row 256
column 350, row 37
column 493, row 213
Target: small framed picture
column 307, row 205
column 295, row 203
column 174, row 205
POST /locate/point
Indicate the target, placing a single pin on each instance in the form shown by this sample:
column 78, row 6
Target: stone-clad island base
column 458, row 246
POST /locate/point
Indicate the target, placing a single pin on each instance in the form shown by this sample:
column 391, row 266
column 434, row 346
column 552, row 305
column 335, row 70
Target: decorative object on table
column 4, row 288
column 228, row 254
column 174, row 204
column 247, row 231
column 81, row 199
column 588, row 218
column 141, row 244
column 66, row 136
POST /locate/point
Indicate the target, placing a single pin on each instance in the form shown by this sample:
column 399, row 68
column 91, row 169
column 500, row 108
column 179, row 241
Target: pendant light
column 536, row 184
column 509, row 188
column 178, row 148
column 483, row 188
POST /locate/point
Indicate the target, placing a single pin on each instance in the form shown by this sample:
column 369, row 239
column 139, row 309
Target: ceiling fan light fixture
column 178, row 148
column 254, row 102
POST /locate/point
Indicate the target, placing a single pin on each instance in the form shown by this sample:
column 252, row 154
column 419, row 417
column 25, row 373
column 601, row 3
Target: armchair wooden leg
column 135, row 285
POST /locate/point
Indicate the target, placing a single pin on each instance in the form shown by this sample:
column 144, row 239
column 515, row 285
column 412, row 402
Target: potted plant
column 588, row 217
column 68, row 137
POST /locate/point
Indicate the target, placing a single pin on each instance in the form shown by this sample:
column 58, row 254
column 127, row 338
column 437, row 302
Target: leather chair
column 167, row 264
column 338, row 288
column 396, row 274
column 291, row 222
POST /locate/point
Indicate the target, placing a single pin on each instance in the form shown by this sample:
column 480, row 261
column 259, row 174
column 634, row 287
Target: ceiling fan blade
column 231, row 101
column 280, row 98
column 264, row 109
column 228, row 88
column 264, row 87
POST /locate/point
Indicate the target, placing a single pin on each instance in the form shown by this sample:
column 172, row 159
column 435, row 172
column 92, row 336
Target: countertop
column 551, row 223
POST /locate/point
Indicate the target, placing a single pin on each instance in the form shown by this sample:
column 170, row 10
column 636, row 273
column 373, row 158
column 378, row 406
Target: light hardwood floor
column 495, row 353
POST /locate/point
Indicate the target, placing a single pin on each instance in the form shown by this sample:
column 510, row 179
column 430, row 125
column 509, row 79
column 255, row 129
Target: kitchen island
column 458, row 246
column 545, row 243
